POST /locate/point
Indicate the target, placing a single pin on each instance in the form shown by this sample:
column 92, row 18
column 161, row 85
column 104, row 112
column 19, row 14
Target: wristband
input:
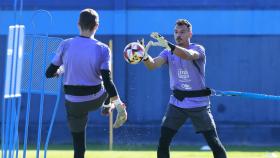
column 146, row 59
column 107, row 106
column 116, row 102
column 172, row 47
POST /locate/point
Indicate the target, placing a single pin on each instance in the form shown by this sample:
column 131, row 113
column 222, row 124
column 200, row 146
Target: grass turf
column 146, row 151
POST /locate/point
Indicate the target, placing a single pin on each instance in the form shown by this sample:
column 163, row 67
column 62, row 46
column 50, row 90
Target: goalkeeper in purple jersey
column 190, row 98
column 87, row 79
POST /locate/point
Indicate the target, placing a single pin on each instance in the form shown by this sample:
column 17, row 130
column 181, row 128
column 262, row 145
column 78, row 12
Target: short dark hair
column 181, row 22
column 88, row 19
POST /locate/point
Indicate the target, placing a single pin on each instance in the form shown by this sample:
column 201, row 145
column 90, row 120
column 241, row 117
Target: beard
column 179, row 41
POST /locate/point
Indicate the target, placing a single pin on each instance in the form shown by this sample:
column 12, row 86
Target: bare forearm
column 184, row 53
column 150, row 63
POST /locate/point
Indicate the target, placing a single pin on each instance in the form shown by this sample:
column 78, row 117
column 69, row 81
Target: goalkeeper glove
column 147, row 47
column 59, row 71
column 122, row 114
column 162, row 42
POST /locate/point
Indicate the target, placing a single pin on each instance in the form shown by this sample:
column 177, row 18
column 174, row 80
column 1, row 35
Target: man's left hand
column 161, row 41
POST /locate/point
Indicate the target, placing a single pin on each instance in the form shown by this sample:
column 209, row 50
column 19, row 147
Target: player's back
column 82, row 61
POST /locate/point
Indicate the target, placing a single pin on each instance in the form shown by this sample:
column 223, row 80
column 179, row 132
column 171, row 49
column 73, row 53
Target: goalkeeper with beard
column 190, row 98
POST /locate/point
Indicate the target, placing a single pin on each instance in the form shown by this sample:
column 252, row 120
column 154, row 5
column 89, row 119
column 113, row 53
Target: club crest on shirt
column 183, row 75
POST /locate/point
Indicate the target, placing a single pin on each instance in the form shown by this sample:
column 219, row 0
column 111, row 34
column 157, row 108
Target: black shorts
column 201, row 118
column 77, row 112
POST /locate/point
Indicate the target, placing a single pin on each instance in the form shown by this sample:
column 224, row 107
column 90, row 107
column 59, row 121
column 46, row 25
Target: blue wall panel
column 237, row 63
column 242, row 46
column 143, row 22
column 233, row 63
column 146, row 4
column 244, row 63
column 61, row 5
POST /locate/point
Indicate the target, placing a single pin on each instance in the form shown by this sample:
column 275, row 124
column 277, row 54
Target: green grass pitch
column 150, row 152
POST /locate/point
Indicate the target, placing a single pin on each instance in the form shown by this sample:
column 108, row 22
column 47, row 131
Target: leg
column 77, row 117
column 215, row 144
column 77, row 123
column 79, row 144
column 77, row 120
column 172, row 121
column 204, row 123
column 166, row 135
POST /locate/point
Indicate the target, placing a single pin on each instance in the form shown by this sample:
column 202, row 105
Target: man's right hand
column 60, row 71
column 147, row 47
column 122, row 114
column 107, row 109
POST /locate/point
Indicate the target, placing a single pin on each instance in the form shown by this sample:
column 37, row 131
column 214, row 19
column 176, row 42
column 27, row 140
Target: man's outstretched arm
column 175, row 49
column 149, row 62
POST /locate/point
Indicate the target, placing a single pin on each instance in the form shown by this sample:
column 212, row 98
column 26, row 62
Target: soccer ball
column 133, row 53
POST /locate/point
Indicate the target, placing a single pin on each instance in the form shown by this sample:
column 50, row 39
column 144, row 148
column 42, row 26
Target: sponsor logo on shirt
column 186, row 86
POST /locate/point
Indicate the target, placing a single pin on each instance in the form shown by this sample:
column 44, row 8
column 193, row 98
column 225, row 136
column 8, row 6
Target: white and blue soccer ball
column 133, row 53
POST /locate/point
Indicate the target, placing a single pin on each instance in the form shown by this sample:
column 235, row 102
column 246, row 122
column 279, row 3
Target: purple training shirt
column 83, row 58
column 184, row 75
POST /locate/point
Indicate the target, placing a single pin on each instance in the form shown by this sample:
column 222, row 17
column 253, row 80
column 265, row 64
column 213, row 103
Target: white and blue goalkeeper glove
column 160, row 40
column 59, row 71
column 121, row 115
column 147, row 47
